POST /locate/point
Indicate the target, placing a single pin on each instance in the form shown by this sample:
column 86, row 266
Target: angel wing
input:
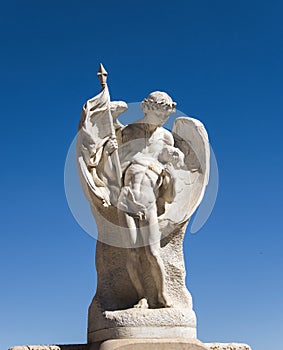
column 95, row 128
column 191, row 138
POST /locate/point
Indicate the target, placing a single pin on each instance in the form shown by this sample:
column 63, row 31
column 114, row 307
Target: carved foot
column 142, row 304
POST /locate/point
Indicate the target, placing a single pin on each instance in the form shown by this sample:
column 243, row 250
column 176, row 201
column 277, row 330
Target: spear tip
column 101, row 69
column 102, row 75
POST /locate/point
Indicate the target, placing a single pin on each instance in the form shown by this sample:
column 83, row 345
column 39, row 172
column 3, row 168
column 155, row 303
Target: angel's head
column 158, row 105
column 173, row 155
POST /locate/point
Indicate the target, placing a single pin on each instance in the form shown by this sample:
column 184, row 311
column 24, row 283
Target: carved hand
column 111, row 145
column 169, row 169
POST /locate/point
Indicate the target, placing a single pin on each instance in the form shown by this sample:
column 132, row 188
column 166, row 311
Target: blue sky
column 222, row 62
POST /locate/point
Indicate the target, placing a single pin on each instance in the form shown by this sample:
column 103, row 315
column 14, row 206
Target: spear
column 102, row 76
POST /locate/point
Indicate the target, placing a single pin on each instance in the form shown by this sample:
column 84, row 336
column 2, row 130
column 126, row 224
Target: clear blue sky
column 222, row 62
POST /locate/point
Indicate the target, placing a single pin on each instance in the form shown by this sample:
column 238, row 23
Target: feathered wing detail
column 94, row 131
column 191, row 138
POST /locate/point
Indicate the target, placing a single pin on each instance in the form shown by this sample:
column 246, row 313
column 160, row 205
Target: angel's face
column 173, row 155
column 158, row 117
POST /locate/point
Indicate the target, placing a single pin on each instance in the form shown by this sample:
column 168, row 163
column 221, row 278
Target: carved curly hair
column 158, row 100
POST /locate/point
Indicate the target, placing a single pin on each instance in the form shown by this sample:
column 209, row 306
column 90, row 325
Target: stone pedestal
column 144, row 323
column 151, row 344
column 141, row 344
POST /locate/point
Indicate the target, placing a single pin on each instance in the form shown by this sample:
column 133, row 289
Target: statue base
column 151, row 344
column 141, row 344
column 142, row 323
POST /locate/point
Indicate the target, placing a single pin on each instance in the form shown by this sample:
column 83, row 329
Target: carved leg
column 151, row 236
column 158, row 273
column 133, row 265
column 128, row 228
column 128, row 225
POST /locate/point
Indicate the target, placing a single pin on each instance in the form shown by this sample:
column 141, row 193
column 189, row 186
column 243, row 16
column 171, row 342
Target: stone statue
column 143, row 183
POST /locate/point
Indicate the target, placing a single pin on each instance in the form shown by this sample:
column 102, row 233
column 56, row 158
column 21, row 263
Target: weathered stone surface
column 51, row 347
column 227, row 346
column 118, row 293
column 140, row 332
column 141, row 344
column 152, row 344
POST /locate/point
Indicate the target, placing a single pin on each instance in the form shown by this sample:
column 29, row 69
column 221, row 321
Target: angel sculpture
column 143, row 183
